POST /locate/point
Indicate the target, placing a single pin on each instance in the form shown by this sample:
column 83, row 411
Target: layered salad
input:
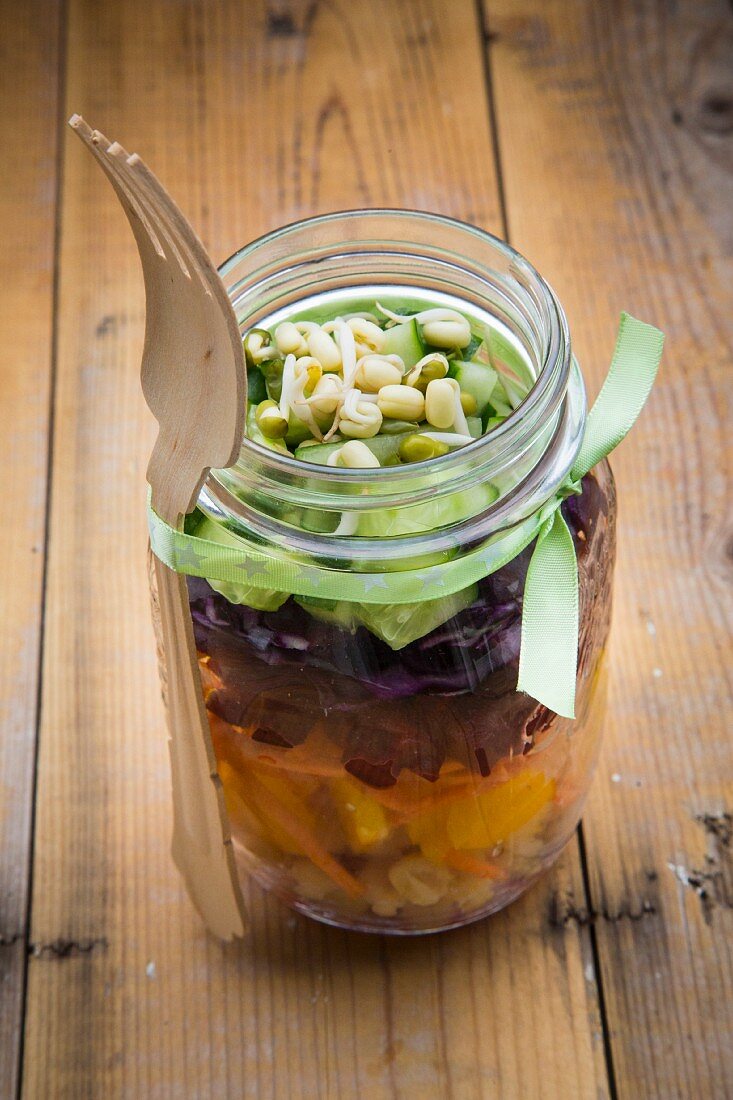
column 380, row 769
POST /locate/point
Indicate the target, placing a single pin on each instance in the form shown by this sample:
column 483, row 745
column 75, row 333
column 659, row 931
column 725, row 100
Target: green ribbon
column 549, row 650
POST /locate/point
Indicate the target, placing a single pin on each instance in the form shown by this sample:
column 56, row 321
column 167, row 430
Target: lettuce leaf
column 395, row 624
column 261, row 599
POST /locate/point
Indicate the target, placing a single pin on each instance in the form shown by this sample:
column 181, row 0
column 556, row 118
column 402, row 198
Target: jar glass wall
column 393, row 779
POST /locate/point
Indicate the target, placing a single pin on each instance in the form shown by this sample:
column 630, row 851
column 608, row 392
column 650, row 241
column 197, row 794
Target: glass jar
column 394, row 780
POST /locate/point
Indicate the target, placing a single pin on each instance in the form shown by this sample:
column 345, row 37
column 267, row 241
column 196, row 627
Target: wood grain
column 615, row 132
column 28, row 179
column 253, row 116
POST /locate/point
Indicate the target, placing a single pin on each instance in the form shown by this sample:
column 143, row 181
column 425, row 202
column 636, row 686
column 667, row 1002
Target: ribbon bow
column 549, row 649
column 549, row 652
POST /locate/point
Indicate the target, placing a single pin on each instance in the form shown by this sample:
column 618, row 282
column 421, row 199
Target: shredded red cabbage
column 452, row 691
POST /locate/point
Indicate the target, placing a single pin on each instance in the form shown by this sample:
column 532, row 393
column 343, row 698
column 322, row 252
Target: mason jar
column 399, row 782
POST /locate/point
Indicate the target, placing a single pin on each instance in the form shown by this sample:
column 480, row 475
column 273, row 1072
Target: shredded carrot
column 270, row 809
column 267, row 806
column 471, row 865
column 298, row 767
column 223, row 734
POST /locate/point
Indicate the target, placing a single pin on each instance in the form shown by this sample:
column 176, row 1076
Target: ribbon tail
column 549, row 646
column 623, row 395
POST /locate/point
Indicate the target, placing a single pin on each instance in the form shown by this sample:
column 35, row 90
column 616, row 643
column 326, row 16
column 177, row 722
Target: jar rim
column 510, row 431
column 260, row 469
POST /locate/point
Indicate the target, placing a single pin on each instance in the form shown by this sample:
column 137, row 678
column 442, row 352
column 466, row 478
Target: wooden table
column 599, row 138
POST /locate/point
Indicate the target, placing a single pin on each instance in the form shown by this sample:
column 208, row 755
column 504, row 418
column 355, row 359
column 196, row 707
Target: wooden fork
column 195, row 383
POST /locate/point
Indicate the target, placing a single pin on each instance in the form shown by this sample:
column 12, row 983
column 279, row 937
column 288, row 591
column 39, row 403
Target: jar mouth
column 352, row 248
column 547, row 390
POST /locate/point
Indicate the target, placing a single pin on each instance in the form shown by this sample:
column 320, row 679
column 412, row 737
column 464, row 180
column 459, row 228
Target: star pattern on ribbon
column 187, row 556
column 313, row 578
column 252, row 568
column 435, row 580
column 372, row 581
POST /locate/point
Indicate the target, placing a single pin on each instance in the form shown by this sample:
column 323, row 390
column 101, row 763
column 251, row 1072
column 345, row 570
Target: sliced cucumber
column 384, row 447
column 481, row 355
column 476, row 379
column 256, row 389
column 297, row 432
column 404, row 340
column 397, row 427
column 501, row 352
column 494, row 422
column 497, row 410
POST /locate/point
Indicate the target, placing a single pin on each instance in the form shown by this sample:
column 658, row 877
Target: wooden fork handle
column 202, row 847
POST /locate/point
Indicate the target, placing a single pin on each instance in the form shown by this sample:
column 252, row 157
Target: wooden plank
column 615, row 140
column 28, row 131
column 252, row 120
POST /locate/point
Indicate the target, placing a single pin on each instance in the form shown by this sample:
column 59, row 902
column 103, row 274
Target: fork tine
column 113, row 158
column 184, row 234
column 138, row 188
column 141, row 228
column 118, row 159
column 160, row 213
column 155, row 218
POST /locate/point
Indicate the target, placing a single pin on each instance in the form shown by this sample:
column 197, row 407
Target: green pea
column 469, row 404
column 271, row 424
column 436, row 368
column 419, row 448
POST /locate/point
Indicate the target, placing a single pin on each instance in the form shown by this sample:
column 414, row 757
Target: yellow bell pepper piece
column 364, row 820
column 233, row 798
column 490, row 818
column 429, row 832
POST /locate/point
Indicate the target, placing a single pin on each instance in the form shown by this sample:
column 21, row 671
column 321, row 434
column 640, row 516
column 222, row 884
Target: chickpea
column 325, row 349
column 374, row 371
column 401, row 403
column 356, row 455
column 440, row 402
column 289, row 340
